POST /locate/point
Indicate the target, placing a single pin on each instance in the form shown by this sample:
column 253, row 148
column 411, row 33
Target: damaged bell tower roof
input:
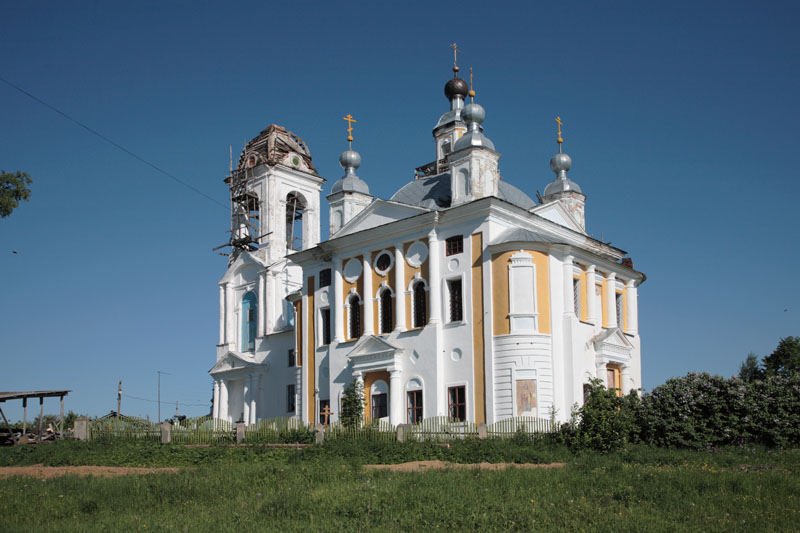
column 272, row 146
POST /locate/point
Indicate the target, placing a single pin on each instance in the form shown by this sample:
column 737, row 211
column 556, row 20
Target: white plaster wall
column 522, row 352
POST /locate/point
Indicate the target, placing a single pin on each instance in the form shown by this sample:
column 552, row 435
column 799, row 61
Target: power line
column 112, row 142
column 165, row 402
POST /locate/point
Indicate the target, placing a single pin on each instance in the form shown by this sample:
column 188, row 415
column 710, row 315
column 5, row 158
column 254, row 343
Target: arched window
column 419, row 305
column 295, row 207
column 354, row 315
column 386, row 318
column 249, row 316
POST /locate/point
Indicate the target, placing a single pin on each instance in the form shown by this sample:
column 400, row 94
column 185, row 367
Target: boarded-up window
column 526, row 396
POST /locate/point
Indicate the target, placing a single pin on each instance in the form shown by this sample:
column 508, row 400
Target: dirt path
column 421, row 466
column 44, row 472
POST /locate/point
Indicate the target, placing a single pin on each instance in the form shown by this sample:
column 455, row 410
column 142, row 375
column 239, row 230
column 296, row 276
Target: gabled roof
column 378, row 213
column 612, row 343
column 232, row 361
column 556, row 212
column 243, row 259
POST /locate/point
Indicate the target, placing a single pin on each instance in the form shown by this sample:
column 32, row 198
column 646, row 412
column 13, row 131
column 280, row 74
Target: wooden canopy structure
column 41, row 394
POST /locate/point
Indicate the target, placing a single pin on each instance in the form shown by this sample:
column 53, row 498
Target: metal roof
column 32, row 394
column 434, row 193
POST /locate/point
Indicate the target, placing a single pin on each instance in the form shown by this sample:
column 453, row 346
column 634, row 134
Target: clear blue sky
column 680, row 118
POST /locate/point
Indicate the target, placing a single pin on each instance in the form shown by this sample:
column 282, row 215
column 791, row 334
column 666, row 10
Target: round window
column 295, row 161
column 383, row 263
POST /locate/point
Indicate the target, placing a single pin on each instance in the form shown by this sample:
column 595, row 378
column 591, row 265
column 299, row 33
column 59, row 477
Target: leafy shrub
column 605, row 421
column 703, row 411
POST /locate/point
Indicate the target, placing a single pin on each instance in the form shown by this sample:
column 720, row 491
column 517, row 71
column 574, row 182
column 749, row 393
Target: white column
column 261, row 291
column 399, row 289
column 222, row 314
column 395, row 398
column 435, row 275
column 368, row 297
column 569, row 289
column 337, row 302
column 223, row 399
column 254, row 395
column 590, row 295
column 246, row 382
column 611, row 300
column 359, row 379
column 215, row 408
column 632, row 299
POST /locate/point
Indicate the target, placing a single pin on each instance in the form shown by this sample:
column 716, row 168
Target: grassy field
column 326, row 489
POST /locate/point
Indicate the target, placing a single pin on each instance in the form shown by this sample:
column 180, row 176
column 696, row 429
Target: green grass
column 325, row 489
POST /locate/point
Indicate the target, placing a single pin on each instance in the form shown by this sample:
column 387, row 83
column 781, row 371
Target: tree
column 750, row 369
column 353, row 404
column 785, row 360
column 13, row 188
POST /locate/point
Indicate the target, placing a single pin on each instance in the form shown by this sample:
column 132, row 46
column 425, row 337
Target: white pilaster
column 298, row 392
column 229, row 315
column 269, row 303
column 632, row 299
column 569, row 290
column 435, row 275
column 395, row 398
column 254, row 395
column 222, row 314
column 261, row 298
column 399, row 289
column 611, row 300
column 215, row 408
column 591, row 305
column 368, row 297
column 337, row 302
column 223, row 399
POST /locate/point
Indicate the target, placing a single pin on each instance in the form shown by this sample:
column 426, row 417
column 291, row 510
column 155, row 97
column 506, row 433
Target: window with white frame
column 455, row 300
column 354, row 316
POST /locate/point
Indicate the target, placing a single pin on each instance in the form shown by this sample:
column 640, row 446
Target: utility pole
column 159, row 392
column 119, row 398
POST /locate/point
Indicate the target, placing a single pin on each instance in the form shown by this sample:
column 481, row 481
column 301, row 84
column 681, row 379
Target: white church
column 459, row 296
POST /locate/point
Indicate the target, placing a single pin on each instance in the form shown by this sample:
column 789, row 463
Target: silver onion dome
column 473, row 114
column 350, row 160
column 560, row 164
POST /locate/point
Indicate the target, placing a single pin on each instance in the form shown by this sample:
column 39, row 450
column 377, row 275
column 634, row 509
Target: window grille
column 454, row 290
column 355, row 317
column 618, row 302
column 576, row 296
column 420, row 305
column 454, row 245
column 457, row 403
column 325, row 278
column 414, row 406
column 379, row 406
column 386, row 311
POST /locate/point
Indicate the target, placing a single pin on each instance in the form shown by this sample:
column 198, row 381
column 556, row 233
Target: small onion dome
column 456, row 87
column 473, row 114
column 560, row 164
column 350, row 158
column 350, row 161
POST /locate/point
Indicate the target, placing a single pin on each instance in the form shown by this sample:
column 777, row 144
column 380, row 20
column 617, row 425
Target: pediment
column 378, row 213
column 556, row 212
column 232, row 361
column 372, row 352
column 613, row 344
column 524, row 236
column 242, row 261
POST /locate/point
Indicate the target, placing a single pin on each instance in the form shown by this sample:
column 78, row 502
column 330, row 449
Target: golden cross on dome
column 559, row 140
column 349, row 118
column 471, row 90
column 456, row 51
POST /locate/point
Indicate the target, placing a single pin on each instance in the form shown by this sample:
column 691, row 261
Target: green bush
column 605, row 422
column 704, row 411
